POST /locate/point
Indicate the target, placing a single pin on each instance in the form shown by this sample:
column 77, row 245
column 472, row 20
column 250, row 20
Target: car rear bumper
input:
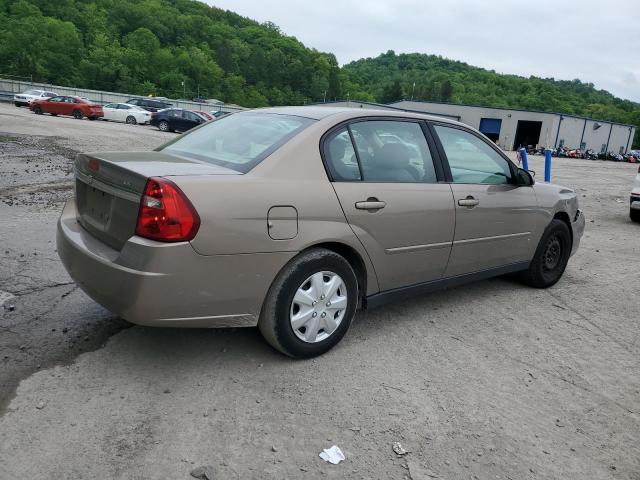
column 577, row 226
column 635, row 201
column 167, row 284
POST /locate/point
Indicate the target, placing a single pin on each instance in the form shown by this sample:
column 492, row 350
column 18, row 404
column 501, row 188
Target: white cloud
column 592, row 40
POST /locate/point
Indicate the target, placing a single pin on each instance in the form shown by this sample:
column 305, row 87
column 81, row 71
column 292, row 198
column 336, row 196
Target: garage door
column 490, row 125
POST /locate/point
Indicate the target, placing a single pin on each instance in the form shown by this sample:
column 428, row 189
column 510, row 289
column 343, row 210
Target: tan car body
column 253, row 224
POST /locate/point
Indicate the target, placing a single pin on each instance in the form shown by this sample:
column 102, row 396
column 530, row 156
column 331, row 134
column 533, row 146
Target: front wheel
column 37, row 110
column 131, row 120
column 551, row 257
column 77, row 114
column 163, row 126
column 310, row 305
column 634, row 215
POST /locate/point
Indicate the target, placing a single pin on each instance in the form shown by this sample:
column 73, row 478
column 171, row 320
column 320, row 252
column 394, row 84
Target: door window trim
column 438, row 164
column 445, row 160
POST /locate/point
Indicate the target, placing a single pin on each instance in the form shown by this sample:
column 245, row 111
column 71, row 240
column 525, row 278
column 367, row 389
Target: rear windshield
column 239, row 141
column 33, row 92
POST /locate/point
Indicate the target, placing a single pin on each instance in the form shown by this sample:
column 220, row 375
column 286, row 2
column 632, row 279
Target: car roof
column 319, row 113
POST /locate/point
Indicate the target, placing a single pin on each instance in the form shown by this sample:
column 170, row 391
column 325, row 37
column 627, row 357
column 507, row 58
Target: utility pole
column 413, row 90
column 184, row 91
column 324, row 97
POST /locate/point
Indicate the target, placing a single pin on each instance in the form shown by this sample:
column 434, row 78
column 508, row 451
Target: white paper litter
column 332, row 455
column 5, row 297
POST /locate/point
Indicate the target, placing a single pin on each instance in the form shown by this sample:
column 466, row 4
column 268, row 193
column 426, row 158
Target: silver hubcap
column 318, row 307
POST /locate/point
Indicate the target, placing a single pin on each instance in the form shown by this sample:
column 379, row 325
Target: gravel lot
column 490, row 380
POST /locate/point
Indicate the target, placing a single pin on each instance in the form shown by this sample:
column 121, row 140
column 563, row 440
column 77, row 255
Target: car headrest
column 392, row 155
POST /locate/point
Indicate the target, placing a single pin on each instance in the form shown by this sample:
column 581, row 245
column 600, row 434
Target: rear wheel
column 54, row 114
column 551, row 257
column 17, row 104
column 37, row 110
column 131, row 120
column 634, row 215
column 163, row 126
column 310, row 305
column 77, row 114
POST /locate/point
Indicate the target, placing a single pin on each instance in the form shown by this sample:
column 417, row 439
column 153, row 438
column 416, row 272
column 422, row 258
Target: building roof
column 509, row 109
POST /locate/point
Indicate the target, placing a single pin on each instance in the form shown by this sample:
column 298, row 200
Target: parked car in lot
column 150, row 104
column 25, row 98
column 123, row 112
column 218, row 114
column 207, row 116
column 293, row 218
column 176, row 120
column 67, row 105
column 634, row 211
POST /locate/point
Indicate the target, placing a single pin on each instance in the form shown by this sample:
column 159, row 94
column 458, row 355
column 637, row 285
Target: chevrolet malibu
column 293, row 218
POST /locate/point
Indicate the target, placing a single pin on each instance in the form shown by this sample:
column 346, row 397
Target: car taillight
column 165, row 213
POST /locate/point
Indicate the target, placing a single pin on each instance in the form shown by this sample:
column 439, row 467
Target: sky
column 595, row 41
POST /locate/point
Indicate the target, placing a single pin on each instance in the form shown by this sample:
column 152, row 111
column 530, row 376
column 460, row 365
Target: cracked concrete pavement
column 490, row 380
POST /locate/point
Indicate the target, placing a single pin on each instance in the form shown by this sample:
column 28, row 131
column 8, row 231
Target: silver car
column 294, row 218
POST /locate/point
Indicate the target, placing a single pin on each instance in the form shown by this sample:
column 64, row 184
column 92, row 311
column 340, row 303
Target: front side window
column 56, row 99
column 239, row 141
column 393, row 151
column 111, row 105
column 122, row 106
column 471, row 159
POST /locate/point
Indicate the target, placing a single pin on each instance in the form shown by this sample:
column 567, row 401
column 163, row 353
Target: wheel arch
column 354, row 258
column 564, row 217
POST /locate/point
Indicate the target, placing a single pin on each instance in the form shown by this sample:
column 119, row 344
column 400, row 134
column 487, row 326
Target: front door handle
column 468, row 202
column 371, row 204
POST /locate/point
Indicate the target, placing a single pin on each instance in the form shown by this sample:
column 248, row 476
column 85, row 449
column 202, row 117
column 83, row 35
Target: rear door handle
column 468, row 202
column 371, row 204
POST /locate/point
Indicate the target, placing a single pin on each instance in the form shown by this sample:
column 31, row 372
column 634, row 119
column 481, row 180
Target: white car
column 125, row 112
column 634, row 211
column 25, row 98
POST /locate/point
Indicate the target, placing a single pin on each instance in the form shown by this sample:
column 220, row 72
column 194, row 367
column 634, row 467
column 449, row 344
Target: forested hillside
column 390, row 77
column 150, row 47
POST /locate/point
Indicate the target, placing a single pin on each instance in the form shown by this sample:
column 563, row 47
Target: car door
column 497, row 221
column 110, row 111
column 123, row 112
column 174, row 117
column 394, row 198
column 190, row 120
column 52, row 105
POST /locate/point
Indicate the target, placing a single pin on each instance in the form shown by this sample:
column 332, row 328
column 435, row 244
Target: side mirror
column 524, row 178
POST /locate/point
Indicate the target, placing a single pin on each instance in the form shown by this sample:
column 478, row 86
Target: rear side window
column 239, row 141
column 471, row 159
column 341, row 157
column 388, row 151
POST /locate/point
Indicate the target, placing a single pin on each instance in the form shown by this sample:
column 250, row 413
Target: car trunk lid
column 109, row 187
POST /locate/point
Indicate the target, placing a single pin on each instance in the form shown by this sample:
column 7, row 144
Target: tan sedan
column 293, row 218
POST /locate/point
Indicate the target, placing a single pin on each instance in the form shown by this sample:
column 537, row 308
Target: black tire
column 37, row 110
column 634, row 215
column 163, row 126
column 131, row 120
column 551, row 257
column 92, row 118
column 275, row 323
column 17, row 104
column 54, row 114
column 77, row 114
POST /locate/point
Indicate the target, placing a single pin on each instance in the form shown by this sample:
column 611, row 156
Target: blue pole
column 525, row 160
column 547, row 165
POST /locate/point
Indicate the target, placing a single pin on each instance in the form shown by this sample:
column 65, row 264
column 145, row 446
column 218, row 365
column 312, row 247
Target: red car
column 206, row 115
column 67, row 105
